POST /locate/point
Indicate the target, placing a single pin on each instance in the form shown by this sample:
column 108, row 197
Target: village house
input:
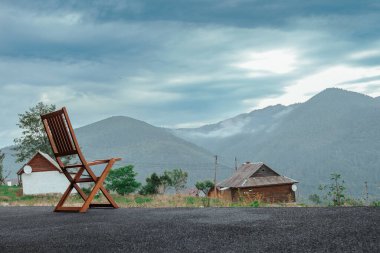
column 42, row 175
column 256, row 181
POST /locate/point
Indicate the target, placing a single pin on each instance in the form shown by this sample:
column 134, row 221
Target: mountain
column 334, row 131
column 150, row 149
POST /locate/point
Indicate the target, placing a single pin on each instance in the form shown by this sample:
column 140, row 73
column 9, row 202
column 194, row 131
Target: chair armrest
column 96, row 162
column 92, row 163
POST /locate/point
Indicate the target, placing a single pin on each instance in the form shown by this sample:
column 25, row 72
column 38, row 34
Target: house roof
column 245, row 177
column 46, row 157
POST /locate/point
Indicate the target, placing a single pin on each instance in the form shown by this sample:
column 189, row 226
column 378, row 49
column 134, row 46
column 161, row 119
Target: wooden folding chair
column 64, row 143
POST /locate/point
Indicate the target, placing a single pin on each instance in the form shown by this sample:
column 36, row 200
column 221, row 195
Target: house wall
column 226, row 194
column 44, row 182
column 276, row 193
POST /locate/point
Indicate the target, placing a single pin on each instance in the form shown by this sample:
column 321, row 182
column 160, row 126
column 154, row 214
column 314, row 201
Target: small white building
column 42, row 175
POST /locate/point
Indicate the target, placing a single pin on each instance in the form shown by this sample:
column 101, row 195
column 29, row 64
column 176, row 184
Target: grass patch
column 142, row 200
column 12, row 195
column 255, row 203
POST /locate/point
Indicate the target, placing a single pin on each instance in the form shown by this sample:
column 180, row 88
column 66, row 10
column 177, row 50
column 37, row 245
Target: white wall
column 44, row 182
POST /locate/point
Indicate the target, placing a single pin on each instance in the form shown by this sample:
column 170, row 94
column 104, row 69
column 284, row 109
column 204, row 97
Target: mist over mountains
column 334, row 131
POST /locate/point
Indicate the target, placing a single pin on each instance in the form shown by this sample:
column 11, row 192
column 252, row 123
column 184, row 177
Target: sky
column 181, row 63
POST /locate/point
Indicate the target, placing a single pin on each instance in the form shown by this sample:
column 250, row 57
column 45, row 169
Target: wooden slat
column 85, row 180
column 60, row 133
column 50, row 137
column 71, row 166
column 66, row 135
column 52, row 114
column 55, row 135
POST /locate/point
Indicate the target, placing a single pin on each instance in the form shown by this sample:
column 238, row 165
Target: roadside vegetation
column 124, row 190
column 12, row 196
column 335, row 194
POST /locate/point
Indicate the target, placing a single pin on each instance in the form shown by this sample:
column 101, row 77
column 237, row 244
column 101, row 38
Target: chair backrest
column 60, row 133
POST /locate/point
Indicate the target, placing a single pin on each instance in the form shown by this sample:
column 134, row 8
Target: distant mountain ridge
column 334, row 131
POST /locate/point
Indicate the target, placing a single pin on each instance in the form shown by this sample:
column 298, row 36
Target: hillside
column 150, row 149
column 335, row 131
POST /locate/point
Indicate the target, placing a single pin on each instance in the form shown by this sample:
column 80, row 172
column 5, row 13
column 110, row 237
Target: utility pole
column 216, row 165
column 366, row 192
column 235, row 164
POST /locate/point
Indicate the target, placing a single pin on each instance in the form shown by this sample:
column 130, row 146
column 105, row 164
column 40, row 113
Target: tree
column 166, row 181
column 33, row 137
column 122, row 180
column 152, row 185
column 337, row 189
column 178, row 179
column 204, row 186
column 2, row 178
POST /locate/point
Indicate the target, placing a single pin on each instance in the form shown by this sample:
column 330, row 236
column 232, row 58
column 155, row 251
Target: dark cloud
column 177, row 62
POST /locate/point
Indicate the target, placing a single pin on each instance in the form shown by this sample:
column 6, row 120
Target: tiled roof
column 243, row 177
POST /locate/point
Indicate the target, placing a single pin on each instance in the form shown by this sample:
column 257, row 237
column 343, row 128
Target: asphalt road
column 38, row 229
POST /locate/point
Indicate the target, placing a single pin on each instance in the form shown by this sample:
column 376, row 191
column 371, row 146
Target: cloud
column 180, row 63
column 337, row 76
column 279, row 61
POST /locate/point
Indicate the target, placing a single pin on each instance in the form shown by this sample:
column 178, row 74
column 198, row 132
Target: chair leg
column 97, row 186
column 109, row 197
column 87, row 199
column 63, row 198
column 73, row 184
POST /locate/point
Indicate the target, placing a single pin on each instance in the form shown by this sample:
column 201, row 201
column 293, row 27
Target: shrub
column 375, row 203
column 190, row 200
column 255, row 203
column 142, row 200
column 205, row 201
column 152, row 185
column 122, row 180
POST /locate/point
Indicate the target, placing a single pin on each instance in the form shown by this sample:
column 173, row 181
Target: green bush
column 122, row 180
column 87, row 191
column 375, row 203
column 255, row 203
column 142, row 200
column 153, row 182
column 205, row 201
column 190, row 200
